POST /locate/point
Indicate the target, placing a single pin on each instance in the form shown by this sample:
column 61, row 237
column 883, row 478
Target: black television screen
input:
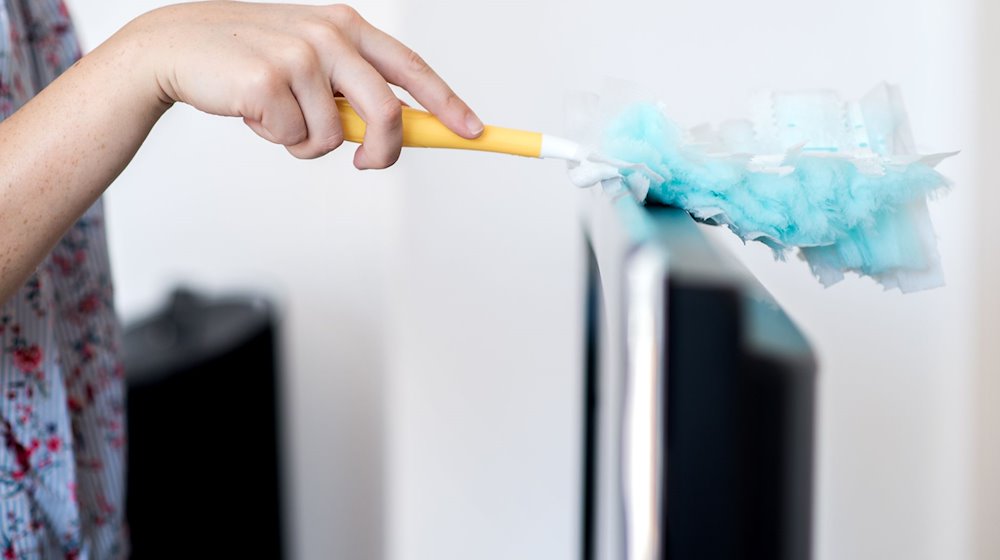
column 698, row 419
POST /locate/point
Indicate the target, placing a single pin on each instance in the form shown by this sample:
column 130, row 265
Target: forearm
column 61, row 150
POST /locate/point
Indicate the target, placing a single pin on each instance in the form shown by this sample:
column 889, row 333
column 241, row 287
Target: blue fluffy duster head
column 840, row 181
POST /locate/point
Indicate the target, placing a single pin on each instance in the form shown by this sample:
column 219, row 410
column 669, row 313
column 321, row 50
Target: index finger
column 401, row 66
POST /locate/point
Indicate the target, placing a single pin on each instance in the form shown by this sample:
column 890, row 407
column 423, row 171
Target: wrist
column 131, row 55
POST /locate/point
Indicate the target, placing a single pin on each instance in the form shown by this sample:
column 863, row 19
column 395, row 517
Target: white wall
column 208, row 203
column 483, row 437
column 987, row 387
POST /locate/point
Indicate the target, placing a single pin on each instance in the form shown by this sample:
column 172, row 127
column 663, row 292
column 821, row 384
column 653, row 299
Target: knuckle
column 264, row 80
column 390, row 111
column 345, row 15
column 309, row 148
column 294, row 136
column 416, row 63
column 335, row 141
column 323, row 33
column 300, row 57
column 297, row 50
column 451, row 100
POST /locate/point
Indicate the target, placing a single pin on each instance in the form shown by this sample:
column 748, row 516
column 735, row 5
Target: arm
column 276, row 66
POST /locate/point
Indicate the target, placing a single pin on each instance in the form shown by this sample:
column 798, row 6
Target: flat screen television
column 699, row 398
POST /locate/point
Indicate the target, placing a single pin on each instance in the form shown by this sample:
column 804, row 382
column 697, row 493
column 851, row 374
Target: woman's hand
column 277, row 66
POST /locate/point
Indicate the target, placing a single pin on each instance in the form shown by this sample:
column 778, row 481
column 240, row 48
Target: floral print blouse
column 62, row 431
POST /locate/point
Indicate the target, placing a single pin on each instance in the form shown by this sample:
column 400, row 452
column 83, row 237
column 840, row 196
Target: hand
column 278, row 67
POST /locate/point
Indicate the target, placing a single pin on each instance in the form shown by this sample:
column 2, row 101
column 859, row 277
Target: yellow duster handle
column 423, row 130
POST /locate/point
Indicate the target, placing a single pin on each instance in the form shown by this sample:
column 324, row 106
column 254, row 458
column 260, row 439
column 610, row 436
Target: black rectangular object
column 203, row 452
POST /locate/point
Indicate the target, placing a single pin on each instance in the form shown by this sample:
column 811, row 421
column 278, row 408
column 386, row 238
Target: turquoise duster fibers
column 840, row 181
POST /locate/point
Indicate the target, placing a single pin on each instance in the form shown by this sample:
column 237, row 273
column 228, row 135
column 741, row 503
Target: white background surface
column 432, row 318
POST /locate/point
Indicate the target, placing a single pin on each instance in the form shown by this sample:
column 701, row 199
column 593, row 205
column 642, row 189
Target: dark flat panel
column 703, row 463
column 203, row 465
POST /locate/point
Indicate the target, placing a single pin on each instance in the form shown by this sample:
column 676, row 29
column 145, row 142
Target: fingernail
column 473, row 124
